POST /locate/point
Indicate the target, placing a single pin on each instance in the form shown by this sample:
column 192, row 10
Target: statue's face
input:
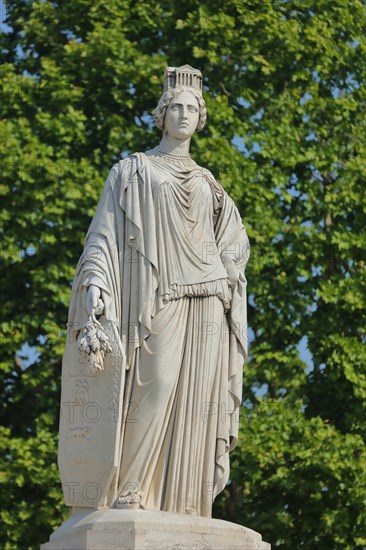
column 182, row 116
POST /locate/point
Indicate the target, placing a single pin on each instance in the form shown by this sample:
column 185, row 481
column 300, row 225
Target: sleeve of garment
column 120, row 256
column 233, row 245
column 98, row 264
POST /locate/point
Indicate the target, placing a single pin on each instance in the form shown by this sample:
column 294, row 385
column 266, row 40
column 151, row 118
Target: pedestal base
column 150, row 530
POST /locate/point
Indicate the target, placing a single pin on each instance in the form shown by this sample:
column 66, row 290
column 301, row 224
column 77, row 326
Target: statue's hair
column 160, row 111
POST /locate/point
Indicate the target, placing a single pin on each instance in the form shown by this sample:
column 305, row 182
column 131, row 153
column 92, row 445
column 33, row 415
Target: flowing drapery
column 144, row 283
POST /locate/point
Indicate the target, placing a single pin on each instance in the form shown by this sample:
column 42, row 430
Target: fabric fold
column 167, row 237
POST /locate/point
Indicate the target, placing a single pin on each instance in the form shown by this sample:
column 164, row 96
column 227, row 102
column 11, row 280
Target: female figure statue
column 163, row 270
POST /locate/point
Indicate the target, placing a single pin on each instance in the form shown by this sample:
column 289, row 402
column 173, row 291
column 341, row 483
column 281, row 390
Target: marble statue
column 152, row 370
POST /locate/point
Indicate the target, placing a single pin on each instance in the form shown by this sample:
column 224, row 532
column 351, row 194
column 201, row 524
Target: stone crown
column 185, row 76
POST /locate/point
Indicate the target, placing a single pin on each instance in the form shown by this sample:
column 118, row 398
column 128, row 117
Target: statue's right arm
column 98, row 235
column 93, row 295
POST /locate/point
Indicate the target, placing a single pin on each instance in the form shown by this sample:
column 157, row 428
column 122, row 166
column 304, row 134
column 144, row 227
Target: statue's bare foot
column 129, row 500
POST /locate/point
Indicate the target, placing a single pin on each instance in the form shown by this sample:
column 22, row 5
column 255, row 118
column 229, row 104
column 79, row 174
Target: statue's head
column 177, row 81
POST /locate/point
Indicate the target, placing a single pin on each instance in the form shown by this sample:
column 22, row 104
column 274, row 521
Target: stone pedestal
column 150, row 530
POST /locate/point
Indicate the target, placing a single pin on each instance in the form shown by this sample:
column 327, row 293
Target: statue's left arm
column 233, row 244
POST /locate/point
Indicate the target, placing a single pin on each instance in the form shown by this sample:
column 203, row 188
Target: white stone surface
column 164, row 260
column 90, row 423
column 152, row 422
column 150, row 530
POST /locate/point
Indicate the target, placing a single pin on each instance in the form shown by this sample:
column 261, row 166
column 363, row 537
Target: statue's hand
column 94, row 303
column 233, row 273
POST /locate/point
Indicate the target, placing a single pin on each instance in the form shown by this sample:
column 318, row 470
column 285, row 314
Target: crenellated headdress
column 184, row 76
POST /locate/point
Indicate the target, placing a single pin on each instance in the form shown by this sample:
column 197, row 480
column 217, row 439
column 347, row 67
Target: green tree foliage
column 286, row 136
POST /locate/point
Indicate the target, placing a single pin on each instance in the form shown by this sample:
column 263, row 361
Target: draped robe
column 168, row 250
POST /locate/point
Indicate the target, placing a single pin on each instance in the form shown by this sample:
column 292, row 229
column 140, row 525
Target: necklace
column 181, row 158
